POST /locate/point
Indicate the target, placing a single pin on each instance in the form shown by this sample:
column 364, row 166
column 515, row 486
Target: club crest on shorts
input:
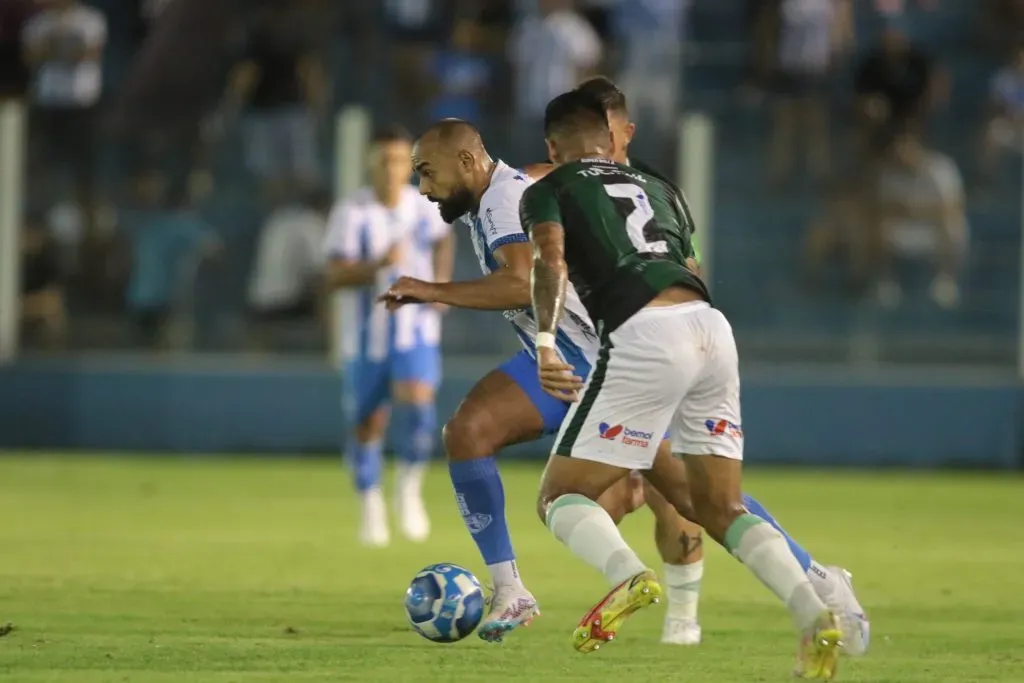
column 724, row 427
column 608, row 431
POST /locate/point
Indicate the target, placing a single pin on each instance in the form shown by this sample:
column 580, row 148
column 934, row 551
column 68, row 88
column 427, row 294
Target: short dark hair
column 605, row 90
column 575, row 111
column 390, row 133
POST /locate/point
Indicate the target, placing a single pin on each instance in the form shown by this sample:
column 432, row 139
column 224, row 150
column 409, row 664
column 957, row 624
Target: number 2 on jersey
column 638, row 218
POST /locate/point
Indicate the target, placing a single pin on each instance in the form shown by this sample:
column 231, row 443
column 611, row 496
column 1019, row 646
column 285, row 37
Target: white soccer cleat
column 373, row 527
column 836, row 591
column 511, row 607
column 412, row 517
column 680, row 632
column 412, row 513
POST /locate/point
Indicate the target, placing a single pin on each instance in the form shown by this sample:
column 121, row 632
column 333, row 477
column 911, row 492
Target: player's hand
column 406, row 290
column 556, row 376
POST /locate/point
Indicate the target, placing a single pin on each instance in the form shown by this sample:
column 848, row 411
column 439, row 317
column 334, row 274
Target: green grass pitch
column 153, row 570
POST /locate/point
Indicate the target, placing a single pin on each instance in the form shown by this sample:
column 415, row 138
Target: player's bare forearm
column 502, row 290
column 351, row 274
column 548, row 276
column 444, row 257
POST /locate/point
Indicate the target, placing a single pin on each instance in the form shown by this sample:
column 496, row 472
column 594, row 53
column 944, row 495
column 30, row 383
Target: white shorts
column 668, row 372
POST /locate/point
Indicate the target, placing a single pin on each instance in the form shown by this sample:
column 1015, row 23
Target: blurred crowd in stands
column 180, row 160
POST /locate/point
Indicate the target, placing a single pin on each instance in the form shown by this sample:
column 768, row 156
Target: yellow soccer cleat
column 819, row 650
column 603, row 621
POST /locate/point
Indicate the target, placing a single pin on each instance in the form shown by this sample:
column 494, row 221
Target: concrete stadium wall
column 225, row 404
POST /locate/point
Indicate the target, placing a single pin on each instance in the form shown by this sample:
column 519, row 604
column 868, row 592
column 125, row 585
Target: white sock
column 682, row 583
column 373, row 498
column 506, row 575
column 375, row 510
column 591, row 535
column 409, row 478
column 821, row 580
column 817, row 573
column 765, row 552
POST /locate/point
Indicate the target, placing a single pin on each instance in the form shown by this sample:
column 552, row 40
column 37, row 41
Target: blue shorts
column 368, row 382
column 522, row 368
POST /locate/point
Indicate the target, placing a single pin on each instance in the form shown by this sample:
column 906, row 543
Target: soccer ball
column 444, row 603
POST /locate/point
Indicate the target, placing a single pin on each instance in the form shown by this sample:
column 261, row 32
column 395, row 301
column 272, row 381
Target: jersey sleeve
column 539, row 205
column 341, row 240
column 499, row 216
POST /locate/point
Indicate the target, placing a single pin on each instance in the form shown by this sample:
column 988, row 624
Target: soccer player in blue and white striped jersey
column 391, row 360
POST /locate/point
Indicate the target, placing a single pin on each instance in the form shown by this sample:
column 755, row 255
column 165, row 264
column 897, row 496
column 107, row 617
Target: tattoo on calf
column 691, row 544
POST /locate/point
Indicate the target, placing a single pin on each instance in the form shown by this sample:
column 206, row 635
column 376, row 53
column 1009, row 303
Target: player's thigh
column 669, row 519
column 707, row 429
column 365, row 396
column 708, row 420
column 416, row 374
column 502, row 409
column 630, row 396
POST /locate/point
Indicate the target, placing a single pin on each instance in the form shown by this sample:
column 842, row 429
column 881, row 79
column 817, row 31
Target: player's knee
column 466, row 438
column 419, row 393
column 372, row 427
column 542, row 508
column 545, row 498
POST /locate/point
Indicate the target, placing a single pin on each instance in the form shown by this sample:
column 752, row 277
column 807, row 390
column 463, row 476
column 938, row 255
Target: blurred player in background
column 393, row 362
column 667, row 365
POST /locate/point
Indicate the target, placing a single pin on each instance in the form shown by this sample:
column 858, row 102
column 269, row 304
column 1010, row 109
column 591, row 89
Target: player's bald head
column 575, row 126
column 452, row 136
column 453, row 165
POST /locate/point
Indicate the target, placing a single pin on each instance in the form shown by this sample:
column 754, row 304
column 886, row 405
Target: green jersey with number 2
column 627, row 235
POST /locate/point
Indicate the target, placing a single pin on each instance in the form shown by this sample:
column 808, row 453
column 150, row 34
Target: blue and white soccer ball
column 445, row 603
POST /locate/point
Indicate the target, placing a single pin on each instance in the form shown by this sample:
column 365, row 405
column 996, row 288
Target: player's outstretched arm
column 549, row 275
column 549, row 279
column 505, row 289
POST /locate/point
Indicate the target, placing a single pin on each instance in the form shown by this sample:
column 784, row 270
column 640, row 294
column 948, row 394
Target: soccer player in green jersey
column 667, row 364
column 679, row 541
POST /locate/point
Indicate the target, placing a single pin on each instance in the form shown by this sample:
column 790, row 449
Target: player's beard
column 452, row 208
